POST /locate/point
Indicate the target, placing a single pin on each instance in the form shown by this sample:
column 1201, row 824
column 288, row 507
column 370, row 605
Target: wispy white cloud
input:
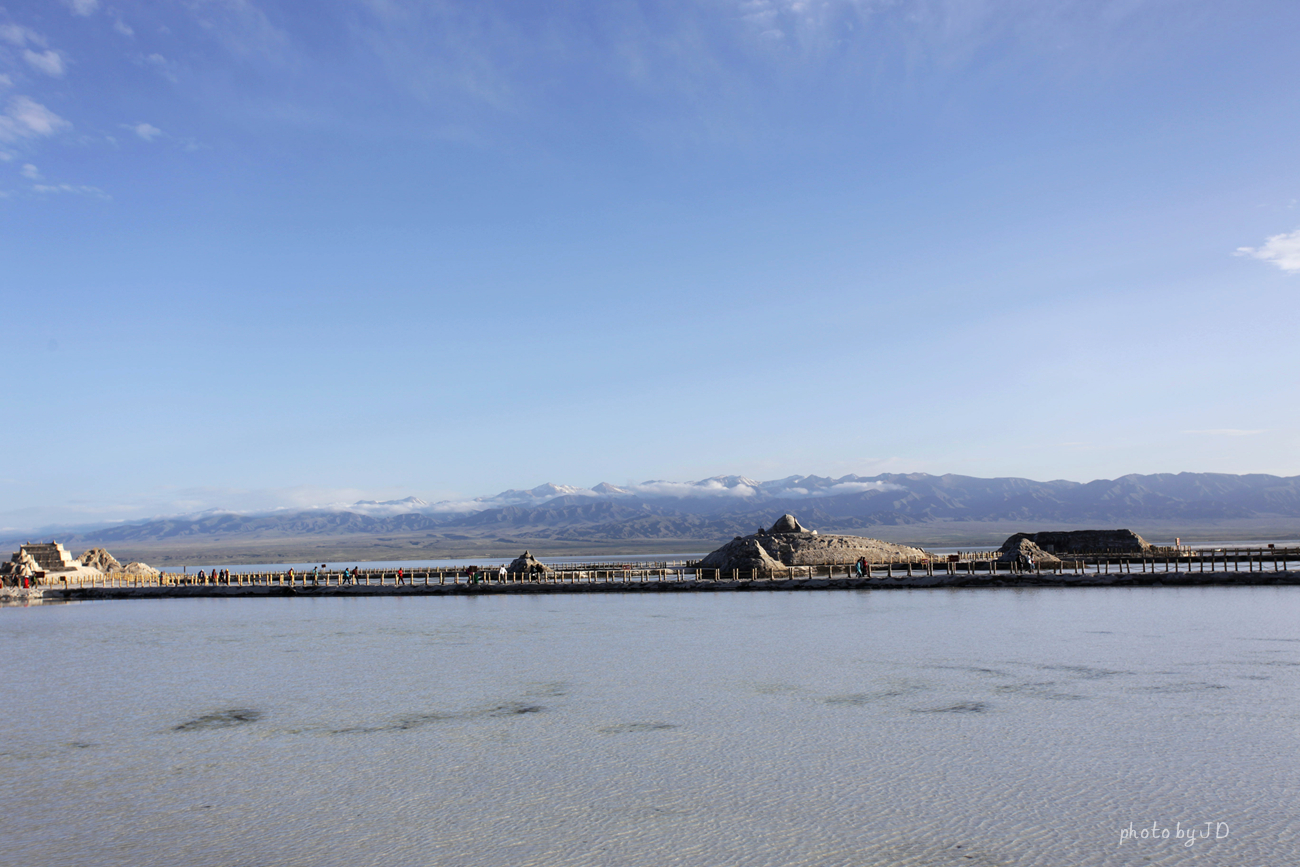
column 707, row 488
column 30, row 172
column 16, row 34
column 853, row 488
column 1282, row 250
column 26, row 118
column 1226, row 432
column 6, row 81
column 75, row 189
column 160, row 64
column 122, row 27
column 146, row 131
column 83, row 7
column 241, row 26
column 50, row 62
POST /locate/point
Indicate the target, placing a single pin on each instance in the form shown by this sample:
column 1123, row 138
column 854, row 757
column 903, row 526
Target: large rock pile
column 527, row 564
column 60, row 565
column 788, row 544
column 100, row 560
column 1025, row 552
column 1083, row 542
column 21, row 565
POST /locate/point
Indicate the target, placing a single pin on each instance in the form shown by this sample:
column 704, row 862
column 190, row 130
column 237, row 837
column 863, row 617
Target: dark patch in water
column 80, row 745
column 861, row 698
column 1045, row 690
column 974, row 669
column 222, row 719
column 419, row 720
column 1173, row 688
column 628, row 728
column 514, row 708
column 415, row 721
column 933, row 854
column 960, row 707
column 1085, row 672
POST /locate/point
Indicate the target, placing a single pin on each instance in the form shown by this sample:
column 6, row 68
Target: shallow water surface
column 929, row 727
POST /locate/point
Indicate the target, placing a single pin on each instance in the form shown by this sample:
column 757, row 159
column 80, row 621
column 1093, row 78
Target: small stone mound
column 100, row 559
column 22, row 565
column 787, row 524
column 527, row 564
column 137, row 568
column 1020, row 549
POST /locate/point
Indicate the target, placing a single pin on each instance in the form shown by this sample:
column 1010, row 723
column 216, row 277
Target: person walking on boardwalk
column 399, row 576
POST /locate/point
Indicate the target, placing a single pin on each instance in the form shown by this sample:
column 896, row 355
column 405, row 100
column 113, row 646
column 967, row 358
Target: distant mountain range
column 704, row 513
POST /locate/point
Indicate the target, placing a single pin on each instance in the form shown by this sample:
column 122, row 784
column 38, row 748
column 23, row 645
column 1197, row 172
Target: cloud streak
column 1282, row 250
column 24, row 118
column 16, row 34
column 75, row 189
column 50, row 62
column 146, row 131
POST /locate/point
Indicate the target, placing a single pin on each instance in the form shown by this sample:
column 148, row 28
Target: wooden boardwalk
column 1230, row 567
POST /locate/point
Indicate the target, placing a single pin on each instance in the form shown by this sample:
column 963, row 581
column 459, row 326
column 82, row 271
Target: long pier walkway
column 1226, row 567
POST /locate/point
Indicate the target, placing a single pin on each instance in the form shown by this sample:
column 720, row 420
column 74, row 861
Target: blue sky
column 259, row 253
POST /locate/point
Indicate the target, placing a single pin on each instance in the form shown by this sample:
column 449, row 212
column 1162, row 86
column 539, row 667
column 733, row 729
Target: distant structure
column 20, row 566
column 50, row 561
column 100, row 559
column 527, row 564
column 1025, row 553
column 788, row 544
column 1081, row 542
column 50, row 556
column 36, row 561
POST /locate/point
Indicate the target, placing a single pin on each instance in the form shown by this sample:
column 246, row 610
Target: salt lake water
column 1044, row 726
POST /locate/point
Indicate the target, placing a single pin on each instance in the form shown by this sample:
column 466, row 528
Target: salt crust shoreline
column 902, row 582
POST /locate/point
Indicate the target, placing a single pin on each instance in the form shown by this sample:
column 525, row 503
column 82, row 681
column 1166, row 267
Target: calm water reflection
column 833, row 728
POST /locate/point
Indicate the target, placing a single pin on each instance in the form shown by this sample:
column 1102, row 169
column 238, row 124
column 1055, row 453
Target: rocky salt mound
column 788, row 545
column 1083, row 542
column 527, row 564
column 20, row 566
column 100, row 560
column 1021, row 549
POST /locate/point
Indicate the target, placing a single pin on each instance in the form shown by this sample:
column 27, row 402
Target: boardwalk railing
column 973, row 565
